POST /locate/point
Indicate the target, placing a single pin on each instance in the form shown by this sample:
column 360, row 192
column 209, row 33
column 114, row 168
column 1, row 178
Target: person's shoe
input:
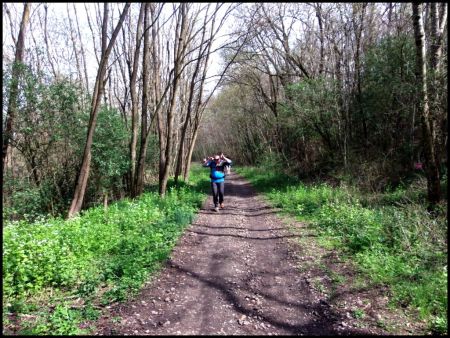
column 216, row 209
column 221, row 205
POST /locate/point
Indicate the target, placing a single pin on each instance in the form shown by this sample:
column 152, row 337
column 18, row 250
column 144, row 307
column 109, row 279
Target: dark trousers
column 218, row 190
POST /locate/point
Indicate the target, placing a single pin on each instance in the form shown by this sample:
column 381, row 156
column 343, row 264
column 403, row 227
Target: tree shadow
column 322, row 324
column 236, row 228
column 222, row 212
column 239, row 236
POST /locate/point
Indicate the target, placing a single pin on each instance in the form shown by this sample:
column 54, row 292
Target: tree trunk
column 190, row 103
column 140, row 169
column 431, row 168
column 151, row 96
column 83, row 54
column 321, row 35
column 179, row 50
column 14, row 89
column 105, row 201
column 201, row 104
column 358, row 26
column 187, row 168
column 49, row 53
column 83, row 175
column 134, row 104
column 72, row 37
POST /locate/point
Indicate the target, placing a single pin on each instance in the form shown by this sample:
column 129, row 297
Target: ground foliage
column 58, row 273
column 391, row 236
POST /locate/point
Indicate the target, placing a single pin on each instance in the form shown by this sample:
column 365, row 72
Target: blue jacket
column 217, row 171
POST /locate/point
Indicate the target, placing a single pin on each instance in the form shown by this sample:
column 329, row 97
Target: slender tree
column 180, row 46
column 83, row 53
column 83, row 175
column 134, row 101
column 152, row 99
column 431, row 165
column 14, row 89
column 191, row 94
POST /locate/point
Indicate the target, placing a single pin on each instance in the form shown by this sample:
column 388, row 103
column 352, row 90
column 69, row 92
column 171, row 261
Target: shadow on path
column 321, row 324
column 230, row 273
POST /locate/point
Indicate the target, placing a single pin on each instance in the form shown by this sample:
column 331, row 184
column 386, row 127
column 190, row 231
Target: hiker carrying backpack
column 220, row 167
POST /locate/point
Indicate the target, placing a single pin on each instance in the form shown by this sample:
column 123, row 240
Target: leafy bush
column 110, row 153
column 392, row 237
column 25, row 201
column 113, row 251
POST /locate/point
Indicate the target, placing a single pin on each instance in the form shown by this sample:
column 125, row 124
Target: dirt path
column 231, row 273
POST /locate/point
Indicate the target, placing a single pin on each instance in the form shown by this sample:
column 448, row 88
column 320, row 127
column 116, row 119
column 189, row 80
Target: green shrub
column 359, row 228
column 115, row 249
column 392, row 237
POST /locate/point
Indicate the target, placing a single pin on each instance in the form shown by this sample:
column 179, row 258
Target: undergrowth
column 58, row 273
column 391, row 236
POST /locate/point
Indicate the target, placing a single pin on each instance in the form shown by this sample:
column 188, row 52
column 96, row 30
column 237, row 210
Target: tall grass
column 99, row 257
column 391, row 236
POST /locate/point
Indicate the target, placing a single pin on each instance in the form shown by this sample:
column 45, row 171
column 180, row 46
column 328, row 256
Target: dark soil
column 245, row 270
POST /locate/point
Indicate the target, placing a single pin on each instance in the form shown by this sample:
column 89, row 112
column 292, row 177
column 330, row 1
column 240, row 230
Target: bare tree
column 322, row 49
column 180, row 46
column 134, row 100
column 438, row 23
column 200, row 102
column 431, row 165
column 83, row 175
column 151, row 92
column 14, row 89
column 139, row 176
column 72, row 37
column 83, row 53
column 50, row 54
column 201, row 53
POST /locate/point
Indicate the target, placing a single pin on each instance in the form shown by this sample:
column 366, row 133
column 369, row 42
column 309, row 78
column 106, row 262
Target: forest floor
column 246, row 270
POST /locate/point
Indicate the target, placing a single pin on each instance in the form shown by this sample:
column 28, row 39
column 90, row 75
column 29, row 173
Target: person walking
column 219, row 165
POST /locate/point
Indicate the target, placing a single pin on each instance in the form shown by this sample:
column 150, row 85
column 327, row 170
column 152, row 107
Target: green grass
column 391, row 236
column 99, row 256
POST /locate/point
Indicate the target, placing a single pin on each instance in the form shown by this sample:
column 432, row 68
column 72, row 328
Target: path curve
column 231, row 273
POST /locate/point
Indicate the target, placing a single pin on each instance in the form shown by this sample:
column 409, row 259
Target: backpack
column 216, row 174
column 217, row 171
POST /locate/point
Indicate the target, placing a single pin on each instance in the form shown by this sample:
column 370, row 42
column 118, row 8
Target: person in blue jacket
column 219, row 165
